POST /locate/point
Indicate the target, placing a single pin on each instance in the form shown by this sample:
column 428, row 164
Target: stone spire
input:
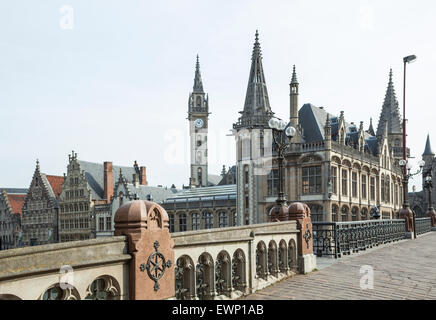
column 198, row 83
column 371, row 128
column 293, row 103
column 390, row 112
column 428, row 151
column 294, row 76
column 257, row 110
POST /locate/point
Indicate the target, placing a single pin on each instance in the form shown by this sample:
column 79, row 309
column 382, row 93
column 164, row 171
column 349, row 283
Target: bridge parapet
column 145, row 261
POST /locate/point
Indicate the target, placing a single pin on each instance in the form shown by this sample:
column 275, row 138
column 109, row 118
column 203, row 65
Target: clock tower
column 198, row 113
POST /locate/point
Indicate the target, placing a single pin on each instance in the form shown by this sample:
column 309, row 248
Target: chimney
column 135, row 180
column 108, row 181
column 143, row 176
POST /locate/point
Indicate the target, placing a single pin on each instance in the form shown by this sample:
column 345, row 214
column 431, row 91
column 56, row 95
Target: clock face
column 198, row 123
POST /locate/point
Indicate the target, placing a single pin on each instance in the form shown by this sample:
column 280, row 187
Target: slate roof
column 158, row 194
column 312, row 120
column 428, row 151
column 205, row 193
column 213, row 179
column 15, row 190
column 94, row 174
column 390, row 111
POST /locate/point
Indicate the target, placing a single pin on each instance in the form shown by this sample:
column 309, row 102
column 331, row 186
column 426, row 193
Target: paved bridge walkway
column 402, row 270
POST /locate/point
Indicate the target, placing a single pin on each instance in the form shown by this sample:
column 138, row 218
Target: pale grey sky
column 115, row 86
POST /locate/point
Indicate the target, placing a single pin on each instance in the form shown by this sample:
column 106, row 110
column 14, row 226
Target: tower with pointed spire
column 253, row 142
column 390, row 120
column 257, row 110
column 428, row 155
column 198, row 116
column 293, row 94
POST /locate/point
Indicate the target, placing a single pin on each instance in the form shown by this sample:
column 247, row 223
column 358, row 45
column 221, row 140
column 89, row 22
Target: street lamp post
column 406, row 207
column 406, row 212
column 428, row 184
column 282, row 134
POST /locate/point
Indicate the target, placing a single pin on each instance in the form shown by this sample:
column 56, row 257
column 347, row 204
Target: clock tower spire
column 198, row 114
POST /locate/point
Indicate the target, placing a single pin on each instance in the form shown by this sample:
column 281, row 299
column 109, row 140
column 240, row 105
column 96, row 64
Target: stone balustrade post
column 407, row 215
column 146, row 225
column 301, row 213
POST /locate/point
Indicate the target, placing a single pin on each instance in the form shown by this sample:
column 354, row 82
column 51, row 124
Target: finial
column 37, row 164
column 257, row 35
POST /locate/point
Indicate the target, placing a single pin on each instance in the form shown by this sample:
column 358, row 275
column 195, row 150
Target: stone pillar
column 301, row 213
column 432, row 214
column 151, row 274
column 407, row 215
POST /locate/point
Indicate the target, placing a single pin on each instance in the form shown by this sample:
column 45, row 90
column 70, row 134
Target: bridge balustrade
column 144, row 261
column 335, row 239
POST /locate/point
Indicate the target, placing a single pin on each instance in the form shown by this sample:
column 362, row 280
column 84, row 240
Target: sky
column 111, row 79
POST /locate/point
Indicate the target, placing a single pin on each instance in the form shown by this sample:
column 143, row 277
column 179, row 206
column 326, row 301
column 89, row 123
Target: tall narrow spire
column 256, row 99
column 390, row 111
column 294, row 76
column 371, row 128
column 198, row 83
column 428, row 151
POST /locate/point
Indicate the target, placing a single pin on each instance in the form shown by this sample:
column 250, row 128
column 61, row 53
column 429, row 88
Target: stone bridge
column 144, row 261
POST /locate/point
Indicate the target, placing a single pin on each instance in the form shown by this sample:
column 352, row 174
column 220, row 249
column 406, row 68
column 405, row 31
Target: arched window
column 223, row 219
column 273, row 182
column 195, row 221
column 344, row 213
column 335, row 210
column 171, row 222
column 208, row 220
column 354, row 212
column 182, row 221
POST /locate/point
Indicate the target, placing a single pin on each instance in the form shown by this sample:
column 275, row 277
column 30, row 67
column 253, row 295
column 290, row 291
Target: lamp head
column 409, row 59
column 290, row 131
column 281, row 125
column 273, row 123
column 421, row 164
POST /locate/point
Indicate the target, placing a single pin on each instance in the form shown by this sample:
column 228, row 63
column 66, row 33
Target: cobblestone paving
column 402, row 270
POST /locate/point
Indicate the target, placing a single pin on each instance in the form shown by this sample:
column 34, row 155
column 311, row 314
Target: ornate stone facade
column 339, row 169
column 11, row 203
column 75, row 204
column 39, row 219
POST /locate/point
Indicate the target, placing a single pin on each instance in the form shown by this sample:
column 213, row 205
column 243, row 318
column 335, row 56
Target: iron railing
column 338, row 238
column 423, row 225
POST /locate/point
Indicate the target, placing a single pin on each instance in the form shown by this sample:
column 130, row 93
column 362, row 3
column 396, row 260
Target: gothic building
column 11, row 203
column 419, row 201
column 39, row 217
column 339, row 169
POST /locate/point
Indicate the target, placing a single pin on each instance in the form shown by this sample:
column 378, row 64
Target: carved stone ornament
column 156, row 265
column 307, row 236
